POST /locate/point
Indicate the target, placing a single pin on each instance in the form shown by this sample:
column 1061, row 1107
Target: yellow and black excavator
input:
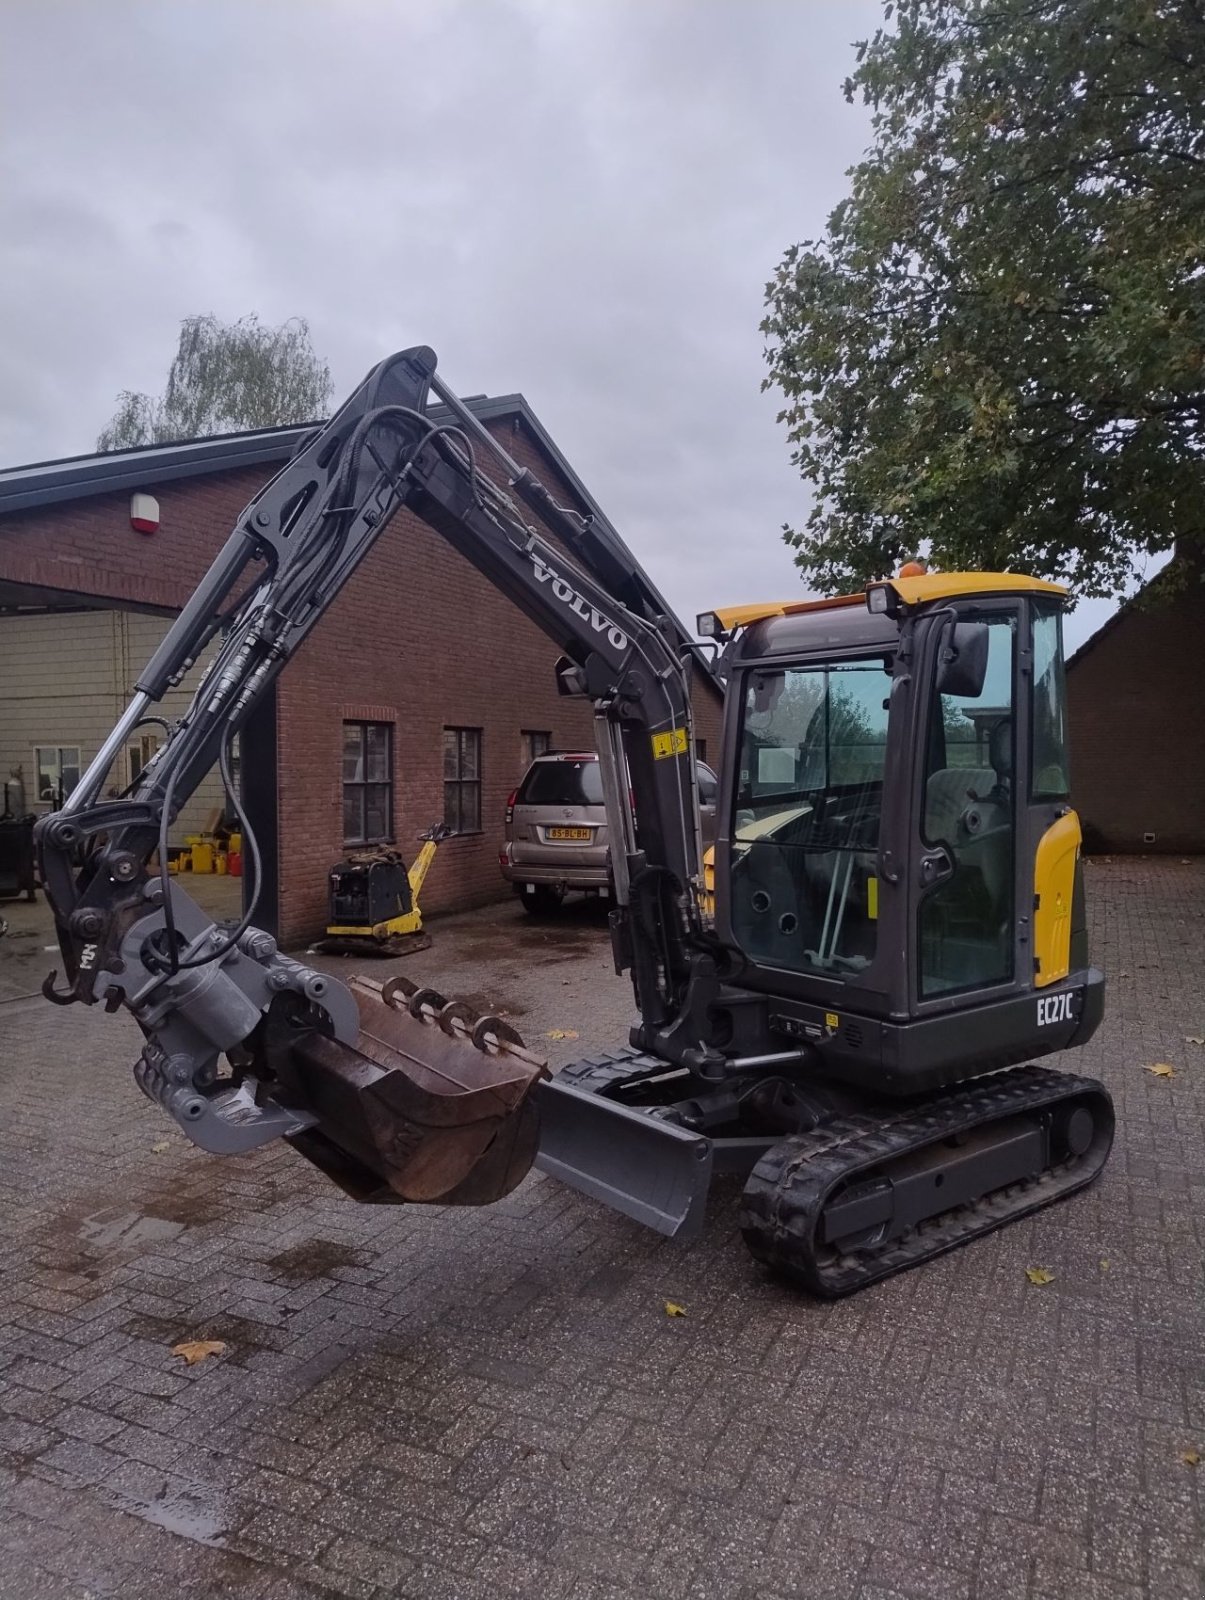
column 897, row 927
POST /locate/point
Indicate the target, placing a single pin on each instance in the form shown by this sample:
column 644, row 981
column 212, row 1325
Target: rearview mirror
column 962, row 660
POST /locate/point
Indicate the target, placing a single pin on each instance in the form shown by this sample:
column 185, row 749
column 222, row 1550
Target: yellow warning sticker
column 673, row 743
column 872, row 898
column 832, row 1021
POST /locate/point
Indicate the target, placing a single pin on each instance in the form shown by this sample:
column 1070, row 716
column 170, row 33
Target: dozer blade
column 636, row 1163
column 432, row 1104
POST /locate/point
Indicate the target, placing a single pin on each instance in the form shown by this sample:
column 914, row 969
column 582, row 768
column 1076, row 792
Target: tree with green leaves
column 225, row 377
column 997, row 350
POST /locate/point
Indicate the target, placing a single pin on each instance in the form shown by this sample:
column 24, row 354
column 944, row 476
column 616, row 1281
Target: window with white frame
column 140, row 754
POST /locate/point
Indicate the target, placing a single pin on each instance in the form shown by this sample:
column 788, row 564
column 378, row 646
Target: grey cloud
column 579, row 201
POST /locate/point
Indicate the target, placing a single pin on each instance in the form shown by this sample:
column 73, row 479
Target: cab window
column 806, row 817
column 1049, row 767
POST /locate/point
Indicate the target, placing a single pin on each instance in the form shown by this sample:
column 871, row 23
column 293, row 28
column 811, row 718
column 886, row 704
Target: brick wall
column 419, row 632
column 1137, row 708
column 417, row 636
column 87, row 547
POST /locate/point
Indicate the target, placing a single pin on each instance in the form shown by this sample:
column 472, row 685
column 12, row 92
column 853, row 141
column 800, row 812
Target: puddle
column 188, row 1210
column 317, row 1258
column 241, row 1336
column 117, row 1229
column 183, row 1514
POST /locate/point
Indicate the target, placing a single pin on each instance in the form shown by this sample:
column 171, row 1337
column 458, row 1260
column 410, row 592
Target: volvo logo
column 577, row 603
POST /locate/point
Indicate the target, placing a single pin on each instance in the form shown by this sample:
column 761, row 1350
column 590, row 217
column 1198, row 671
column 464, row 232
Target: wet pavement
column 418, row 1402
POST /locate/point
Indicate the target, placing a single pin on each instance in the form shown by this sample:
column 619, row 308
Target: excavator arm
column 244, row 1044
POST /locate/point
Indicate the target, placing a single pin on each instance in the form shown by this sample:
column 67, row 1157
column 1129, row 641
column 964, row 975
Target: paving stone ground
column 417, row 1403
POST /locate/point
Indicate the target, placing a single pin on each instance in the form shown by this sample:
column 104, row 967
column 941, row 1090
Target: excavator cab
column 898, row 846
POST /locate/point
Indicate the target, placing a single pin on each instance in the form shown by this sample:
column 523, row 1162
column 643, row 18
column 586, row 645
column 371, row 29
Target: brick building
column 1137, row 712
column 420, row 660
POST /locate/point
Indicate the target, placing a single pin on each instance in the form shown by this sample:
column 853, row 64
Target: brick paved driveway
column 417, row 1403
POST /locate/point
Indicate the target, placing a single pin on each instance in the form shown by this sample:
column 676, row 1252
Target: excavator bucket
column 433, row 1103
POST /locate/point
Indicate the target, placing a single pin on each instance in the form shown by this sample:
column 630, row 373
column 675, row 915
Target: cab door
column 1060, row 941
column 966, row 860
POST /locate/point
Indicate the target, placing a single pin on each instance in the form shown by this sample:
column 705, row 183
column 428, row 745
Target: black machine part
column 368, row 888
column 840, row 1190
column 17, row 857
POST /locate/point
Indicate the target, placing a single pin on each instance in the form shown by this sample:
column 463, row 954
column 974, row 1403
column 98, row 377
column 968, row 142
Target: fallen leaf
column 1190, row 1458
column 1039, row 1275
column 1160, row 1069
column 1192, row 1038
column 672, row 1310
column 160, row 1145
column 194, row 1350
column 560, row 1033
column 1104, row 1263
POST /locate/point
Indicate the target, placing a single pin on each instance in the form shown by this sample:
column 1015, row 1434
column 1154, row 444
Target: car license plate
column 568, row 833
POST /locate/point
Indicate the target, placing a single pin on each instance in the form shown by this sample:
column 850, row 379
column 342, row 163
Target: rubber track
column 787, row 1191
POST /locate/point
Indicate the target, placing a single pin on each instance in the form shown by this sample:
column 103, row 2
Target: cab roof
column 915, row 591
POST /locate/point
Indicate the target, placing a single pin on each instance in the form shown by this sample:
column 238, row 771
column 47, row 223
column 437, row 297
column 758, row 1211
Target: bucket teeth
column 392, row 986
column 426, row 1004
column 457, row 1018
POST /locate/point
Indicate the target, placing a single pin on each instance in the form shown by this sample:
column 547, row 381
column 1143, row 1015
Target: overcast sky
column 578, row 199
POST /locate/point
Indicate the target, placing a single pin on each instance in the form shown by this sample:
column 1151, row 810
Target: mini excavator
column 897, row 927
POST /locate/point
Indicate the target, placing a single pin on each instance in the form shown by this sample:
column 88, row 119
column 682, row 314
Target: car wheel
column 541, row 899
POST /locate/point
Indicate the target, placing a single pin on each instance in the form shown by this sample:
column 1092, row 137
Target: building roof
column 1179, row 563
column 48, row 483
